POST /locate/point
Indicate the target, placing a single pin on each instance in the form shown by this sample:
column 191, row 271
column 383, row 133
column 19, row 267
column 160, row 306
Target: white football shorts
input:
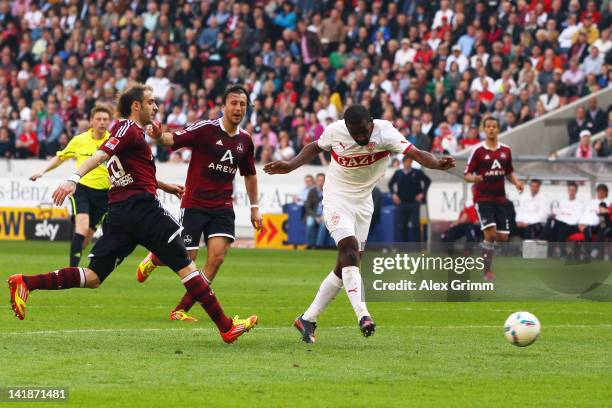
column 345, row 218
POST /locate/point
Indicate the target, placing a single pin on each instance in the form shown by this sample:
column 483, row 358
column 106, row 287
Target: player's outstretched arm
column 163, row 138
column 308, row 153
column 53, row 164
column 429, row 160
column 174, row 189
column 68, row 187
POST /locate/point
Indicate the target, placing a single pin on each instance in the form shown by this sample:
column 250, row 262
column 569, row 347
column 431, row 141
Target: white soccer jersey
column 569, row 211
column 532, row 210
column 355, row 169
column 591, row 212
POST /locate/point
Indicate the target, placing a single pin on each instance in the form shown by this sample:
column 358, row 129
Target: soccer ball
column 522, row 328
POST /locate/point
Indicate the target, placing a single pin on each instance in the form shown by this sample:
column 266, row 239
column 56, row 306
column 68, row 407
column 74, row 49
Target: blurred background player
column 90, row 200
column 360, row 148
column 532, row 211
column 219, row 149
column 135, row 216
column 488, row 167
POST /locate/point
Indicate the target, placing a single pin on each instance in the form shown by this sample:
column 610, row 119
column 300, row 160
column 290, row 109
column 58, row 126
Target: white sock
column 354, row 287
column 328, row 290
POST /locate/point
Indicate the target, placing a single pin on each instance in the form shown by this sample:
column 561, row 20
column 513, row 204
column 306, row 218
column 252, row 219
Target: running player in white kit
column 360, row 148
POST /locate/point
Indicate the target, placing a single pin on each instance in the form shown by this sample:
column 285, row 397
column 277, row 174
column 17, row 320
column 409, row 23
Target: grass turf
column 114, row 346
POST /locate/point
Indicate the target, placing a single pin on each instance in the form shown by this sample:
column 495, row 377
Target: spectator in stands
column 596, row 116
column 573, row 78
column 578, row 124
column 26, row 145
column 266, row 133
column 550, row 99
column 6, row 144
column 603, row 43
column 588, row 29
column 532, row 211
column 584, row 150
column 564, row 220
column 284, row 150
column 92, row 51
column 50, row 127
column 595, row 214
column 593, row 63
column 599, row 149
column 408, row 188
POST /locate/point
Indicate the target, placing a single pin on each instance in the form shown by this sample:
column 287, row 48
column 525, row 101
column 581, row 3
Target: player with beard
column 219, row 149
column 135, row 216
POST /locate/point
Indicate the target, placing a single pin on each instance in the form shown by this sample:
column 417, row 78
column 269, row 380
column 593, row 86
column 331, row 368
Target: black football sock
column 76, row 247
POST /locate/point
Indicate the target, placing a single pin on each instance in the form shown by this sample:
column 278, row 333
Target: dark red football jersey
column 493, row 166
column 131, row 167
column 216, row 157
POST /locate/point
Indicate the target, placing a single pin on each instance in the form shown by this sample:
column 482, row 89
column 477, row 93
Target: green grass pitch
column 114, row 346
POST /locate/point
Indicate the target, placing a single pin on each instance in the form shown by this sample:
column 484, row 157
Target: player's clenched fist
column 446, row 163
column 64, row 190
column 277, row 167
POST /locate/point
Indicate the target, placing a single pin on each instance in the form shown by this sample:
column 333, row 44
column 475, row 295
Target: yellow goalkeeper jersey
column 81, row 148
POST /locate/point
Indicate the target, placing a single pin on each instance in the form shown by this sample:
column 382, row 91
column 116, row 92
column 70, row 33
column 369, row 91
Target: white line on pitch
column 207, row 329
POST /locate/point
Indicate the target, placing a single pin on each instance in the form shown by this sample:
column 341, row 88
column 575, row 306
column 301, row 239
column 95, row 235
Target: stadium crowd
column 433, row 68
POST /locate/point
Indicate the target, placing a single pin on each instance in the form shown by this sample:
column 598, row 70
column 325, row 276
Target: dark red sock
column 186, row 302
column 64, row 278
column 201, row 292
column 156, row 260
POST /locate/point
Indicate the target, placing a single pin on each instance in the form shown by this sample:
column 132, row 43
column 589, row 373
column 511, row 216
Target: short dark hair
column 134, row 93
column 535, row 180
column 356, row 114
column 488, row 118
column 99, row 107
column 602, row 187
column 234, row 89
column 320, row 175
column 572, row 184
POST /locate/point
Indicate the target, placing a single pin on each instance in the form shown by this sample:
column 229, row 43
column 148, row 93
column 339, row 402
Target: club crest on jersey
column 503, row 155
column 219, row 143
column 187, row 239
column 487, row 157
column 239, row 148
column 371, row 146
column 111, row 143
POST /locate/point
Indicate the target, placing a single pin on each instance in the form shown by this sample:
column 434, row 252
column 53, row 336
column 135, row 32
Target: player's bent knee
column 92, row 281
column 349, row 252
